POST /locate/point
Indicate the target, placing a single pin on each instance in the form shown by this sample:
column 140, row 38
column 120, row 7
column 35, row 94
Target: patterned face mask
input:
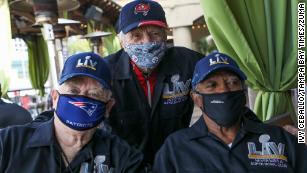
column 147, row 55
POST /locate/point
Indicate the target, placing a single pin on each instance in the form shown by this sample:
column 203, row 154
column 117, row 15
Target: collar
column 139, row 74
column 252, row 125
column 43, row 135
column 199, row 128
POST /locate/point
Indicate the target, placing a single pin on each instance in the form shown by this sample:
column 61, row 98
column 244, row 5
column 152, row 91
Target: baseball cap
column 214, row 62
column 87, row 64
column 139, row 13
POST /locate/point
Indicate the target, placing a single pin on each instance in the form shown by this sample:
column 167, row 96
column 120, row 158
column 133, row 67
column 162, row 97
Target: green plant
column 5, row 81
column 206, row 45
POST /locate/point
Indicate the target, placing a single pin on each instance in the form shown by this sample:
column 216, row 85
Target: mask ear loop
column 202, row 109
column 55, row 109
column 104, row 125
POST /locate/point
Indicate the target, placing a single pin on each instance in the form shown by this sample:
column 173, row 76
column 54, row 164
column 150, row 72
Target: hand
column 291, row 129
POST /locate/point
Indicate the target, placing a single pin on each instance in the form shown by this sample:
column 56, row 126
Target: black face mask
column 224, row 108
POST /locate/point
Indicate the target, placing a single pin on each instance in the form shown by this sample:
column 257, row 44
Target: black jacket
column 257, row 147
column 13, row 114
column 133, row 119
column 33, row 148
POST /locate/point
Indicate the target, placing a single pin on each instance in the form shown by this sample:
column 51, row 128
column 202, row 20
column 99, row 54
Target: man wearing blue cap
column 151, row 82
column 70, row 142
column 224, row 139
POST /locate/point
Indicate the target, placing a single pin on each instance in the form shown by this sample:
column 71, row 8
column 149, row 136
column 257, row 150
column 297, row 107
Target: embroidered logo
column 142, row 8
column 88, row 63
column 217, row 101
column 88, row 107
column 101, row 166
column 270, row 154
column 176, row 91
column 218, row 60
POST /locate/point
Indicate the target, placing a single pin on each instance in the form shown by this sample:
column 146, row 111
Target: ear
column 165, row 34
column 109, row 106
column 55, row 97
column 198, row 99
column 121, row 38
column 121, row 43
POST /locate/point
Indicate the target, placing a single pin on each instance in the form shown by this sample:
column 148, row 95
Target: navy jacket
column 257, row 148
column 133, row 119
column 33, row 148
column 13, row 114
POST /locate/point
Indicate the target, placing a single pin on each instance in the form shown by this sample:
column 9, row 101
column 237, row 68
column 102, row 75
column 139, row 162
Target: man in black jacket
column 71, row 142
column 227, row 138
column 151, row 83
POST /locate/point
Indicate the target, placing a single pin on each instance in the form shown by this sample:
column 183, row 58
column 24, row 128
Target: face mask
column 225, row 108
column 146, row 56
column 80, row 112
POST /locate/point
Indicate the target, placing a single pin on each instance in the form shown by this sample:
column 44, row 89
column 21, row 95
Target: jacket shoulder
column 177, row 138
column 16, row 136
column 185, row 53
column 113, row 58
column 183, row 57
column 17, row 129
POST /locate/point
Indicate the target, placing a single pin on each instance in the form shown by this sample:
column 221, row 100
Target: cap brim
column 144, row 23
column 237, row 71
column 65, row 78
column 153, row 22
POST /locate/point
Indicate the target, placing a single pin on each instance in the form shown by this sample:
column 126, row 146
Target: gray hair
column 243, row 84
column 121, row 36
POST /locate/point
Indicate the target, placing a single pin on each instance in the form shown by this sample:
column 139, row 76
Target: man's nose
column 223, row 87
column 146, row 38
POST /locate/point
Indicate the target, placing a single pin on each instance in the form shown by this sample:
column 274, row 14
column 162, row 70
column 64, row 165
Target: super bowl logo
column 176, row 90
column 218, row 60
column 271, row 153
column 142, row 8
column 87, row 63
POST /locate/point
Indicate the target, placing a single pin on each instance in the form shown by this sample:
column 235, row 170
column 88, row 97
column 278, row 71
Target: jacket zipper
column 148, row 92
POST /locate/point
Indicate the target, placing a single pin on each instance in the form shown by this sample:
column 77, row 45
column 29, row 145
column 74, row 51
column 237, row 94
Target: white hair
column 121, row 36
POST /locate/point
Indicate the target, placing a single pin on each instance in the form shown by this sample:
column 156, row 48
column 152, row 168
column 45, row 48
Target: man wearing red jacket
column 151, row 82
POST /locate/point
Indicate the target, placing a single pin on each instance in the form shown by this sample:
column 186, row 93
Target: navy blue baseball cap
column 139, row 13
column 214, row 62
column 87, row 64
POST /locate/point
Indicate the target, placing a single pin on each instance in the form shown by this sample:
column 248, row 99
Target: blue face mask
column 147, row 55
column 80, row 112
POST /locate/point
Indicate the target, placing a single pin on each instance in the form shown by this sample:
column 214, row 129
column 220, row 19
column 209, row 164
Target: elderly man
column 151, row 83
column 223, row 139
column 70, row 142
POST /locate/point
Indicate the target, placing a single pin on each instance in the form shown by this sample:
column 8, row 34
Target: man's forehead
column 81, row 80
column 222, row 73
column 146, row 28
